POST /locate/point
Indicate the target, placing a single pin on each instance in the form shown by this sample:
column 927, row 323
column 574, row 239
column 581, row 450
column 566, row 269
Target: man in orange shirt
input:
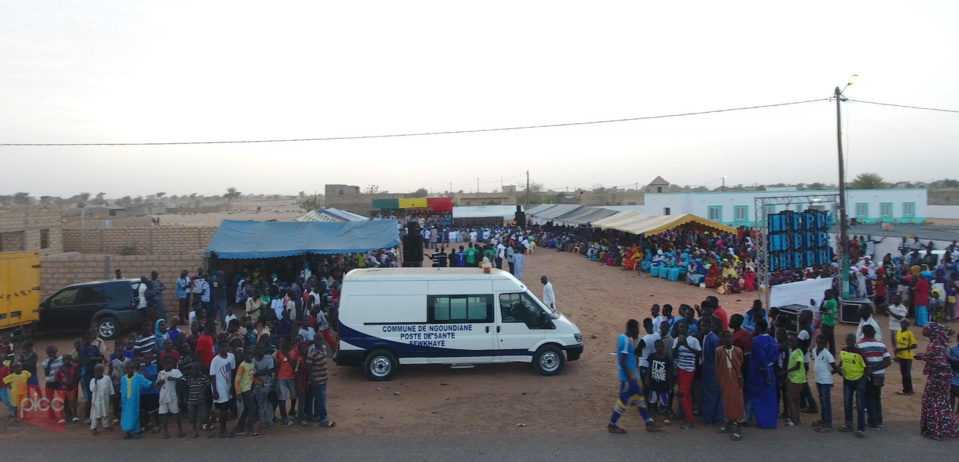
column 286, row 359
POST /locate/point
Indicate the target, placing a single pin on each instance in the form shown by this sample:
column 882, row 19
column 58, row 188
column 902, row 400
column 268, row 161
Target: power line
column 404, row 135
column 904, row 106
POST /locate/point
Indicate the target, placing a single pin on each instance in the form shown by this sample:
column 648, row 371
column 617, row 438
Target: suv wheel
column 108, row 327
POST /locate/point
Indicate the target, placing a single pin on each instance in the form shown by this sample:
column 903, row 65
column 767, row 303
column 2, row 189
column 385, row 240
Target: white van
column 454, row 316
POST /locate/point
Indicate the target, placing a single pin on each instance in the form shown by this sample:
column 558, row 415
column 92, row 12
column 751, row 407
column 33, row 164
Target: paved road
column 895, row 442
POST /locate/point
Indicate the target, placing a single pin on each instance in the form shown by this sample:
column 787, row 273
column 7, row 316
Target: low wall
column 151, row 240
column 943, row 211
column 57, row 271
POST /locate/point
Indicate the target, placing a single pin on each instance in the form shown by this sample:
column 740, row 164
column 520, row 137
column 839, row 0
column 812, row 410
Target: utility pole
column 843, row 237
column 526, row 206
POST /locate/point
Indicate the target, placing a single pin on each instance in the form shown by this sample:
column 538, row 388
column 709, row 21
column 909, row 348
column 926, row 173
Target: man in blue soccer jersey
column 630, row 390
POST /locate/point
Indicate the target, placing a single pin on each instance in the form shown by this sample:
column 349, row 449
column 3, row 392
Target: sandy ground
column 512, row 398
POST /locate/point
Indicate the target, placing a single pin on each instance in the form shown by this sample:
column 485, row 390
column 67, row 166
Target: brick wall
column 33, row 219
column 151, row 240
column 58, row 271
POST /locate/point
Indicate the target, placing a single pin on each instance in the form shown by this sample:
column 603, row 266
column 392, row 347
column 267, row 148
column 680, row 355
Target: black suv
column 111, row 304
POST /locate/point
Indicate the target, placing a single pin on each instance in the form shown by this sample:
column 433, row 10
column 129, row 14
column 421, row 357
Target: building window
column 742, row 212
column 666, row 211
column 908, row 209
column 716, row 213
column 885, row 209
column 862, row 210
column 769, row 209
column 44, row 238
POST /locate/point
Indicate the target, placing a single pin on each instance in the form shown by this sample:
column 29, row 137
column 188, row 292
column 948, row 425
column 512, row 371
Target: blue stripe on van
column 405, row 350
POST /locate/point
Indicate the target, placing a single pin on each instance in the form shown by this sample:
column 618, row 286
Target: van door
column 460, row 329
column 520, row 326
column 90, row 299
column 56, row 312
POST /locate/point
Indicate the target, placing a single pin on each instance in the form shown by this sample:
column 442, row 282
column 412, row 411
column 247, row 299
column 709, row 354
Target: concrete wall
column 152, row 240
column 31, row 221
column 943, row 211
column 726, row 203
column 58, row 271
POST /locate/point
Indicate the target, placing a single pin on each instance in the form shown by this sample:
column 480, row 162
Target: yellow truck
column 19, row 290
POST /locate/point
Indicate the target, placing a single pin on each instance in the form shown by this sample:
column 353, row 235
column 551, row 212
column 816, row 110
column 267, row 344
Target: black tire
column 549, row 360
column 381, row 365
column 109, row 328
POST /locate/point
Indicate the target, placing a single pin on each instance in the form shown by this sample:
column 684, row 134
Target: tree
column 100, row 200
column 138, row 200
column 46, row 200
column 310, row 202
column 22, row 198
column 231, row 193
column 372, row 189
column 422, row 192
column 816, row 186
column 868, row 181
column 302, row 195
column 160, row 194
column 535, row 193
column 84, row 197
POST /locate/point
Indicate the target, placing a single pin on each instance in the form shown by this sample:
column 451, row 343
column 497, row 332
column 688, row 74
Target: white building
column 739, row 208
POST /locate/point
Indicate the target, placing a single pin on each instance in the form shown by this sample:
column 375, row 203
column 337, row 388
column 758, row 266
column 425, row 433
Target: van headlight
column 579, row 337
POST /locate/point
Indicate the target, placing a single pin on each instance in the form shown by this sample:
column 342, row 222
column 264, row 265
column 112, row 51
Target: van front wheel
column 381, row 365
column 549, row 360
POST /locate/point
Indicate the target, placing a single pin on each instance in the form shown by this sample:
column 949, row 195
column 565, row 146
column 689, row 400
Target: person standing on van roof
column 549, row 298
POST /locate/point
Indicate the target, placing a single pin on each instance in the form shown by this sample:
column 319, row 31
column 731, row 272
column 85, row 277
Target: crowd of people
column 265, row 349
column 735, row 374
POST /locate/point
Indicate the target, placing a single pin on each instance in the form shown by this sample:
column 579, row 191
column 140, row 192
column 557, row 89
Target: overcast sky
column 130, row 71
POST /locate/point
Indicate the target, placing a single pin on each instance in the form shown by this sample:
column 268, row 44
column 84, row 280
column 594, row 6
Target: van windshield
column 532, row 300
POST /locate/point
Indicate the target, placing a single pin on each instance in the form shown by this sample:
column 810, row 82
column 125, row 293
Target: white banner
column 799, row 293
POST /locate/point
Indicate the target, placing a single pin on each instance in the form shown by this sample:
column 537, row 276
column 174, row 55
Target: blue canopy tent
column 272, row 239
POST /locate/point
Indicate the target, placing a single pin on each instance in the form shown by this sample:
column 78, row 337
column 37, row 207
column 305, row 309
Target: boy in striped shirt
column 877, row 358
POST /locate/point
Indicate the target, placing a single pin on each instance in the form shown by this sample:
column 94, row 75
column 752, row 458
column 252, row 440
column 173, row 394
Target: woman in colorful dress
column 938, row 420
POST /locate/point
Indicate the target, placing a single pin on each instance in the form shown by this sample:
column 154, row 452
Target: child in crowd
column 905, row 344
column 795, row 379
column 68, row 380
column 825, row 367
column 263, row 372
column 174, row 333
column 16, row 382
column 101, row 390
column 249, row 338
column 659, row 379
column 221, row 375
column 50, row 366
column 853, row 385
column 28, row 361
column 243, row 383
column 306, row 331
column 131, row 385
column 169, row 351
column 150, row 397
column 167, row 380
column 199, row 387
column 4, row 390
column 122, row 354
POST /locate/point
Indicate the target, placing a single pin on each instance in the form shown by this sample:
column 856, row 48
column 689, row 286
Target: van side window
column 91, row 295
column 519, row 308
column 64, row 298
column 460, row 308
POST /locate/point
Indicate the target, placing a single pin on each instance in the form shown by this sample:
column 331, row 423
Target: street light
column 843, row 236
